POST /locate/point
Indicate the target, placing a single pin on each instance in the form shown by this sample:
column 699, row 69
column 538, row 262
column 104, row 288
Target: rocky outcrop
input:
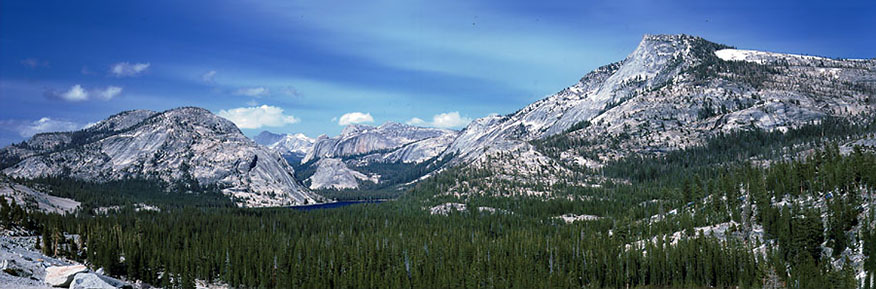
column 62, row 276
column 184, row 145
column 334, row 174
column 448, row 208
column 15, row 269
column 24, row 266
column 94, row 281
column 362, row 140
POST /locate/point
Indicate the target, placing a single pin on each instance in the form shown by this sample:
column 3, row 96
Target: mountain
column 670, row 93
column 186, row 146
column 33, row 199
column 292, row 146
column 359, row 139
column 338, row 162
column 267, row 138
column 334, row 174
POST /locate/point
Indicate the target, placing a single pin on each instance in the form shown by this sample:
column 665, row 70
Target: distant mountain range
column 671, row 92
column 334, row 160
column 293, row 146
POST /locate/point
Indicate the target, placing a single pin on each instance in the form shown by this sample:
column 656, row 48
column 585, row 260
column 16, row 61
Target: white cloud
column 258, row 116
column 449, row 119
column 109, row 92
column 442, row 120
column 252, row 91
column 45, row 124
column 76, row 93
column 208, row 76
column 417, row 121
column 355, row 117
column 123, row 69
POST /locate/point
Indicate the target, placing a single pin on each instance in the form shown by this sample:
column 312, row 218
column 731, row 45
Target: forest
column 797, row 223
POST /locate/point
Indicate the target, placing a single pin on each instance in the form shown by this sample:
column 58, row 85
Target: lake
column 335, row 205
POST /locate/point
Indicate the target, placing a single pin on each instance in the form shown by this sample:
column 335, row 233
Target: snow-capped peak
column 286, row 144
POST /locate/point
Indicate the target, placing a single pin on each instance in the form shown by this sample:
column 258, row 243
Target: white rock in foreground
column 94, row 281
column 61, row 276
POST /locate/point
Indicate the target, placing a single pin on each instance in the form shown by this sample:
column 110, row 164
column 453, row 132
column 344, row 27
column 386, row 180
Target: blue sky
column 311, row 66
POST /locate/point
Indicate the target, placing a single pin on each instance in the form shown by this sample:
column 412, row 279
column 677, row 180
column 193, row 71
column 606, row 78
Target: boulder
column 95, row 281
column 13, row 268
column 61, row 276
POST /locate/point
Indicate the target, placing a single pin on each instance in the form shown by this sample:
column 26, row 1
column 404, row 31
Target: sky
column 314, row 66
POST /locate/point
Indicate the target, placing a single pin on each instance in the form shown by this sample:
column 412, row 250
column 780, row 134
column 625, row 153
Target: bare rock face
column 360, row 139
column 334, row 174
column 62, row 276
column 94, row 281
column 297, row 145
column 12, row 267
column 679, row 83
column 32, row 198
column 671, row 92
column 419, row 151
column 183, row 145
column 53, row 141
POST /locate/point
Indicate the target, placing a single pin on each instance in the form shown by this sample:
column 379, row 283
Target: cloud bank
column 77, row 93
column 355, row 117
column 442, row 120
column 258, row 116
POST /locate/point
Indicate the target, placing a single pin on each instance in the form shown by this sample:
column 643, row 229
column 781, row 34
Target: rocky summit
column 288, row 145
column 671, row 92
column 185, row 145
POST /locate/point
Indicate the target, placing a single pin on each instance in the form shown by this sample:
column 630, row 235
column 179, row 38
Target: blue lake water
column 335, row 205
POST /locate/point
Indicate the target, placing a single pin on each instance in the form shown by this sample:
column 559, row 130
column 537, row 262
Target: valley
column 689, row 164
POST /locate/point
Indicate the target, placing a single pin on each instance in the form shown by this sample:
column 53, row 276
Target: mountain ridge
column 671, row 92
column 187, row 144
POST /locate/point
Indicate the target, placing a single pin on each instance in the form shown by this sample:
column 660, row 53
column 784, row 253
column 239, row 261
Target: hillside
column 187, row 148
column 672, row 92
